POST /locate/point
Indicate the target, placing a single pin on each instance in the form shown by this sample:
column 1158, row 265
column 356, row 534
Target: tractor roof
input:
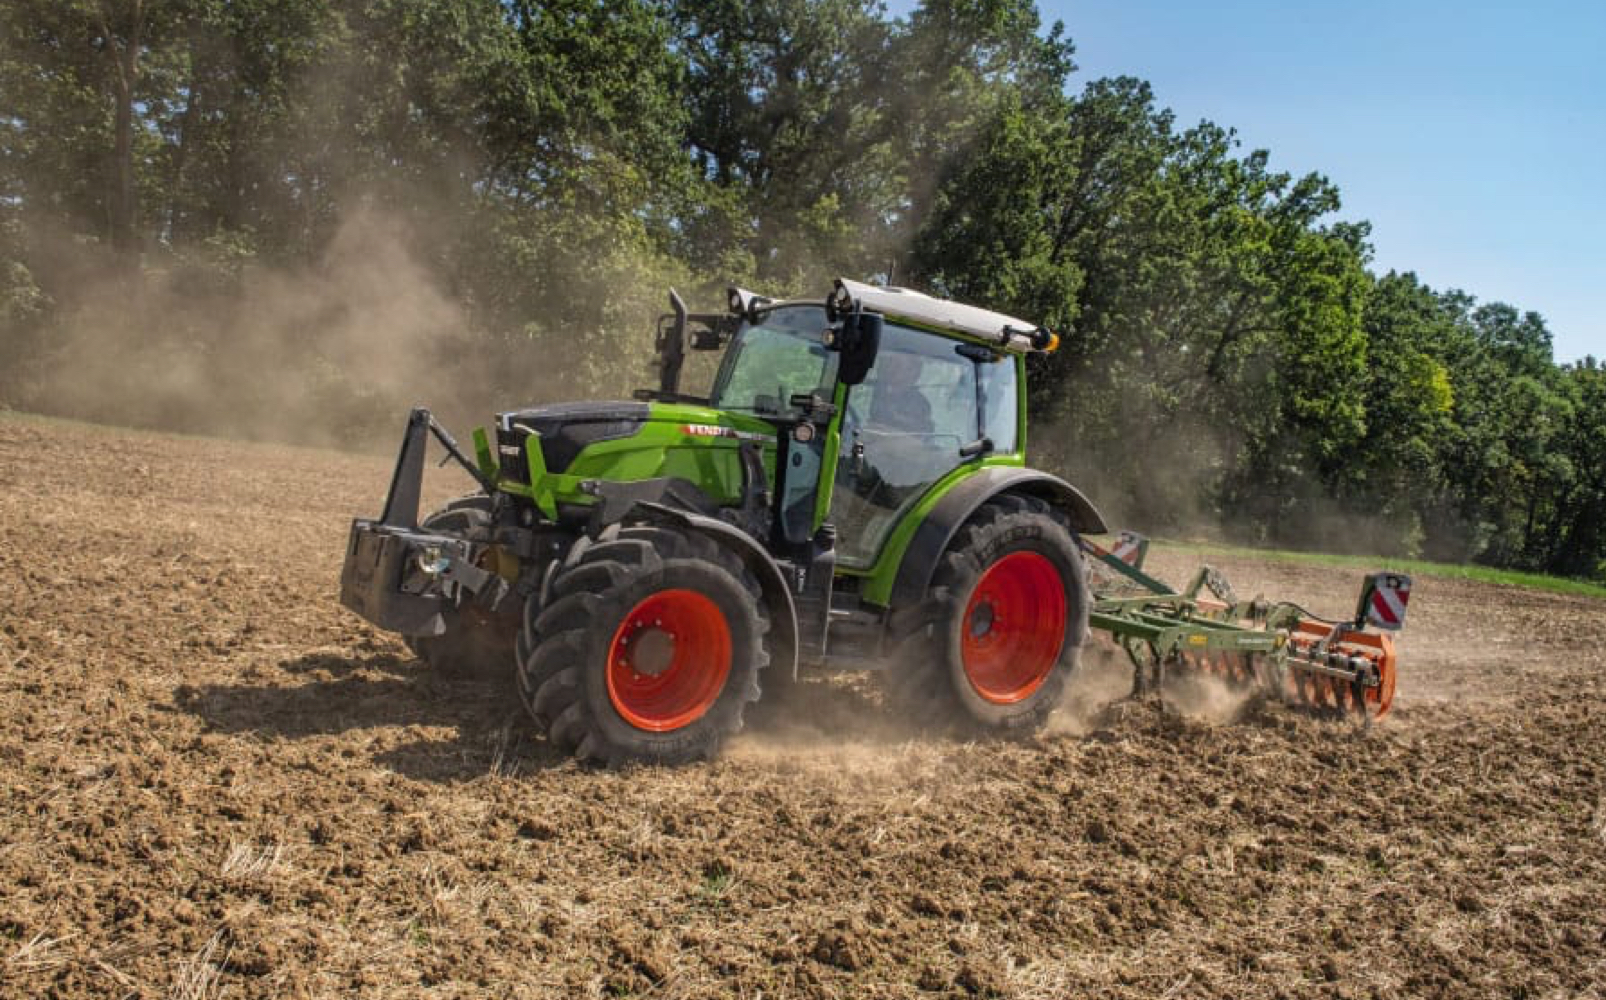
column 1015, row 335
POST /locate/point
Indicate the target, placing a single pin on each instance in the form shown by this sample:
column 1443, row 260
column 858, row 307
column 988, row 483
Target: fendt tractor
column 852, row 493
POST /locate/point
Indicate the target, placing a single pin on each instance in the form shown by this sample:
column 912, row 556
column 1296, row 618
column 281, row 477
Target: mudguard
column 931, row 538
column 777, row 594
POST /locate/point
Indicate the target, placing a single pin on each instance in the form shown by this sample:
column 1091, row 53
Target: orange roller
column 1377, row 648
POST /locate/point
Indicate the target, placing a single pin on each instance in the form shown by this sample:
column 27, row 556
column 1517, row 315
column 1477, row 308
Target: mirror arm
column 980, row 446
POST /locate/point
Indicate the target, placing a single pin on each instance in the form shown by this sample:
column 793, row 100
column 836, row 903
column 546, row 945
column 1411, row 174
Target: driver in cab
column 897, row 403
column 893, row 443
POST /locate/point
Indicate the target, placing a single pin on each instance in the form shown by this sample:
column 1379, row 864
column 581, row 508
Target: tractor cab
column 878, row 395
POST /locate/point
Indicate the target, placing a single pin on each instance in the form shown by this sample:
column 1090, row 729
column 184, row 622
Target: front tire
column 1001, row 629
column 649, row 648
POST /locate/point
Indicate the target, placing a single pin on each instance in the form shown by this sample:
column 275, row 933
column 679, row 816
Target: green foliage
column 484, row 199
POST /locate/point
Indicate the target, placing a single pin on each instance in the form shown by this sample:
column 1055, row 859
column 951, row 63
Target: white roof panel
column 1006, row 331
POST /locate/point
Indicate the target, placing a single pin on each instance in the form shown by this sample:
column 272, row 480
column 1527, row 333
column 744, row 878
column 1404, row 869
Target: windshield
column 768, row 363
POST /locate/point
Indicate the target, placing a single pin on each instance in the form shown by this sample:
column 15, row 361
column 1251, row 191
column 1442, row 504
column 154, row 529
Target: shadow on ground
column 334, row 693
column 341, row 694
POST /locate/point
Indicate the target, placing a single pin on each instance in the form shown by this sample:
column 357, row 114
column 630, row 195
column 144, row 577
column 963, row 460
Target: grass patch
column 1415, row 567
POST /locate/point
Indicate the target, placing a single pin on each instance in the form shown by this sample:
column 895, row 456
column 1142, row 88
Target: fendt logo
column 716, row 431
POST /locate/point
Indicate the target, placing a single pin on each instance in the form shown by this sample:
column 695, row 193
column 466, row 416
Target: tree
column 1575, row 539
column 790, row 133
column 1396, row 471
column 199, row 184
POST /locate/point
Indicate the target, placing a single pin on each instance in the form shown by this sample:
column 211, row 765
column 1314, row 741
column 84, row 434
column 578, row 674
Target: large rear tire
column 476, row 643
column 1000, row 630
column 648, row 648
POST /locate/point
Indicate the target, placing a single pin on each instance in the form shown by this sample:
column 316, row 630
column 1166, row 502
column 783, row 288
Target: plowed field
column 218, row 783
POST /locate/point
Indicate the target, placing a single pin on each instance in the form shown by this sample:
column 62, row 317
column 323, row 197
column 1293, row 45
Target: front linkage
column 409, row 576
column 403, row 577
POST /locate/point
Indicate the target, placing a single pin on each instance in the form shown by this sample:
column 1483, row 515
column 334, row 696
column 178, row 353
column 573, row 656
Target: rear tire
column 476, row 643
column 649, row 648
column 1001, row 628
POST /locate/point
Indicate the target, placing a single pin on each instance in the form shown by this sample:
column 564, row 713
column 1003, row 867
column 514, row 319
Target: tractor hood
column 565, row 430
column 631, row 441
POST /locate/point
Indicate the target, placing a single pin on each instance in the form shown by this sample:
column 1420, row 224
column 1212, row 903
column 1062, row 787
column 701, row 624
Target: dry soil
column 218, row 783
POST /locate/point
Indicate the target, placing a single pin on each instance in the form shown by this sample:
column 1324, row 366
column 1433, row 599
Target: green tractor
column 851, row 494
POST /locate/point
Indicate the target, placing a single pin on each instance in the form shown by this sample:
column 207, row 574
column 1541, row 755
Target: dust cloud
column 1146, row 473
column 1179, row 475
column 1207, row 698
column 331, row 353
column 1102, row 676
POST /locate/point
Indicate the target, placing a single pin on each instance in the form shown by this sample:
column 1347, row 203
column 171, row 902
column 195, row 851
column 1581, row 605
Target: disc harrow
column 1337, row 668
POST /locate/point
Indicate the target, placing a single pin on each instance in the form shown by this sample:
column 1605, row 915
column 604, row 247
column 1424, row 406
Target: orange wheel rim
column 1014, row 627
column 669, row 660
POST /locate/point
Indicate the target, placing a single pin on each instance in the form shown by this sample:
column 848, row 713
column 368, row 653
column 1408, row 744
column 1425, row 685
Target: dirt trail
column 219, row 784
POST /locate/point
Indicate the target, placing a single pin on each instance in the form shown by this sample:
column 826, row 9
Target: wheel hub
column 651, row 651
column 982, row 619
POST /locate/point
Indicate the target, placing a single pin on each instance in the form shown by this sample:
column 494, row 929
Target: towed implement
column 850, row 492
column 1277, row 648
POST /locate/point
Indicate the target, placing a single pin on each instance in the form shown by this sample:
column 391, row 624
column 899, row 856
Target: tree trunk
column 125, row 75
column 178, row 194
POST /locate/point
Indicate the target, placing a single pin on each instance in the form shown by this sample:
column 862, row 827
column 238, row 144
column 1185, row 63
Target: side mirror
column 857, row 342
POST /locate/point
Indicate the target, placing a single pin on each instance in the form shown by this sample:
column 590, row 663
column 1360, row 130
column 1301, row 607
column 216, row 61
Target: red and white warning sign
column 1391, row 592
column 1128, row 548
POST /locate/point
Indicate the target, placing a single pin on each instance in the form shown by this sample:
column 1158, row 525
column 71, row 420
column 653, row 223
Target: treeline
column 294, row 217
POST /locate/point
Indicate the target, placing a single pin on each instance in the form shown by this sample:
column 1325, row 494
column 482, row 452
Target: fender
column 931, row 538
column 772, row 582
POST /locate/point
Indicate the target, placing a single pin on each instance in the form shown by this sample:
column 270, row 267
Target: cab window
column 769, row 362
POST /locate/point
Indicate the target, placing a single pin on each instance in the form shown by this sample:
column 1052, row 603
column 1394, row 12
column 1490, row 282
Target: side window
column 903, row 430
column 1000, row 403
column 925, row 391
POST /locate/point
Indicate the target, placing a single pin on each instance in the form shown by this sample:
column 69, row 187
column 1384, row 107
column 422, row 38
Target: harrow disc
column 1238, row 671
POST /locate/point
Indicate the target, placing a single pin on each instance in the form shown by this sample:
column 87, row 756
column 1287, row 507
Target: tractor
column 852, row 493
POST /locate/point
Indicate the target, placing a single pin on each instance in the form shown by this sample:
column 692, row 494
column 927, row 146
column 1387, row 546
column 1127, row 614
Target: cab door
column 916, row 418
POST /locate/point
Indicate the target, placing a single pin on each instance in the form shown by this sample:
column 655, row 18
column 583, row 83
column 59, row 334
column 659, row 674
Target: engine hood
column 565, row 430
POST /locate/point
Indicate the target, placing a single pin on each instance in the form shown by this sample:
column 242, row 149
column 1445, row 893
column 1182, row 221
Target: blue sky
column 1472, row 136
